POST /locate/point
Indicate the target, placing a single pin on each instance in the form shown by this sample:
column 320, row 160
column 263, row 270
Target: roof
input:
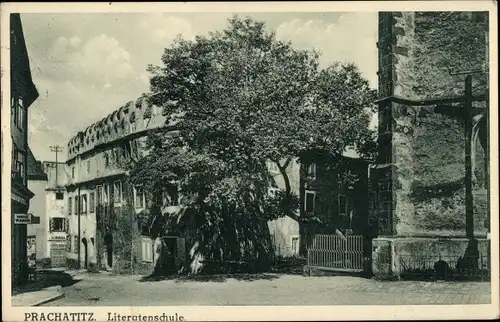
column 35, row 168
column 21, row 80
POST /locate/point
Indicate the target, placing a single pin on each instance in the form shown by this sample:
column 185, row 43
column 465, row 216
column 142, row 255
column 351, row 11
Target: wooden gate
column 336, row 253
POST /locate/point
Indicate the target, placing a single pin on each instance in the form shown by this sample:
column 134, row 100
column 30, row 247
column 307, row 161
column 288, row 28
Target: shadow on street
column 211, row 278
column 44, row 279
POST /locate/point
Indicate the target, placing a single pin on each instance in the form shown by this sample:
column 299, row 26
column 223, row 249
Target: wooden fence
column 336, row 253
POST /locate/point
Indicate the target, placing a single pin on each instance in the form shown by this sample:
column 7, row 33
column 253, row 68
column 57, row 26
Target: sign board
column 35, row 220
column 21, row 219
column 60, row 238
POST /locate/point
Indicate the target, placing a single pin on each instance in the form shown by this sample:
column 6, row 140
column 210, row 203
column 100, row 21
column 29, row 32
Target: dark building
column 23, row 94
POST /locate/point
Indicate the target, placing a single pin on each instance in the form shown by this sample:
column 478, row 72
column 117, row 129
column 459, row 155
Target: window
column 106, row 160
column 20, row 114
column 147, row 250
column 342, row 205
column 83, row 201
column 73, row 172
column 77, row 204
column 59, row 195
column 309, row 203
column 128, row 150
column 117, row 191
column 70, row 206
column 88, row 167
column 105, row 194
column 311, row 171
column 99, row 196
column 273, row 167
column 19, row 163
column 17, row 112
column 57, row 225
column 138, row 198
column 295, row 245
column 92, row 201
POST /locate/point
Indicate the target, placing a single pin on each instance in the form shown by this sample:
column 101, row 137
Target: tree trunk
column 288, row 187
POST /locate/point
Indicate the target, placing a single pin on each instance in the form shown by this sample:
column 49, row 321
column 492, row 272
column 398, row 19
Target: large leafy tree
column 239, row 98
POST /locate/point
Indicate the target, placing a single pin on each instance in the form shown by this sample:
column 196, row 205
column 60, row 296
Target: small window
column 117, row 191
column 77, row 204
column 70, row 206
column 83, row 200
column 295, row 245
column 92, row 201
column 20, row 114
column 73, row 172
column 139, row 198
column 310, row 200
column 342, row 205
column 106, row 160
column 311, row 171
column 88, row 167
column 59, row 195
column 105, row 194
column 57, row 225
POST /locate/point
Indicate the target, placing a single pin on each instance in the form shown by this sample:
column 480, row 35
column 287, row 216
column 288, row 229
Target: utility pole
column 56, row 149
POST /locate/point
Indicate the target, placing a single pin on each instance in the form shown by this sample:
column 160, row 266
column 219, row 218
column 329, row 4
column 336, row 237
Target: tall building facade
column 423, row 208
column 98, row 192
column 37, row 232
column 49, row 232
column 23, row 94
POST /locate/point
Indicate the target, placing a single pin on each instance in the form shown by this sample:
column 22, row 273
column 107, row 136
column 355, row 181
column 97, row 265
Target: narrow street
column 105, row 290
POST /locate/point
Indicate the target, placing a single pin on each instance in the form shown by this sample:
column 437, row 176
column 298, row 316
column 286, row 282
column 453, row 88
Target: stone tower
column 420, row 208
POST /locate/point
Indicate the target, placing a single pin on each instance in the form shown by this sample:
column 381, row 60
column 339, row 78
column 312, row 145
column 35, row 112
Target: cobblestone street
column 102, row 290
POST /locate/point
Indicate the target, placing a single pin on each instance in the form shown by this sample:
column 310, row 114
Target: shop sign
column 35, row 220
column 57, row 237
column 21, row 219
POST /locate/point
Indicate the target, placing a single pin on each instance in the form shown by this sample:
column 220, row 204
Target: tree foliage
column 240, row 98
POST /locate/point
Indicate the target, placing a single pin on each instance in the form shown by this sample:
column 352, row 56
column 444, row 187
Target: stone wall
column 418, row 54
column 427, row 147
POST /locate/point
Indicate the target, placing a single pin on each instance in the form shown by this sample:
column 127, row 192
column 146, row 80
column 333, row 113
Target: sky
column 87, row 65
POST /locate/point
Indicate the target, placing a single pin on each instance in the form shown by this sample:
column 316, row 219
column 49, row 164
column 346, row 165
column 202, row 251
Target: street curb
column 60, row 295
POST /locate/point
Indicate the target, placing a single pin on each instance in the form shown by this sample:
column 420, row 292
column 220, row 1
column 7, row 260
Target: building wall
column 97, row 157
column 421, row 193
column 23, row 93
column 285, row 231
column 38, row 208
column 417, row 51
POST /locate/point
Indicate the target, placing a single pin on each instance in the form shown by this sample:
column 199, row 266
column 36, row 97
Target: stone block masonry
column 423, row 211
